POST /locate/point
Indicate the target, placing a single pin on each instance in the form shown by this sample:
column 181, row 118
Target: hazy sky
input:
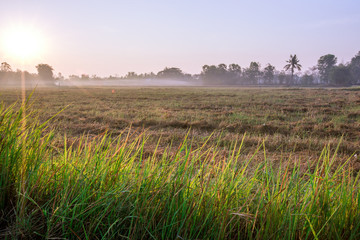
column 109, row 37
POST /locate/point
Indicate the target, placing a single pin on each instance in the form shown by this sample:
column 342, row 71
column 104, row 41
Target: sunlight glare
column 23, row 43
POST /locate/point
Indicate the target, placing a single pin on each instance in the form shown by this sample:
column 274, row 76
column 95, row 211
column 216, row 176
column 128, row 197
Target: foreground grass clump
column 102, row 188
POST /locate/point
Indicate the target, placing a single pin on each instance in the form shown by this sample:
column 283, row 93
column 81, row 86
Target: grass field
column 300, row 121
column 186, row 163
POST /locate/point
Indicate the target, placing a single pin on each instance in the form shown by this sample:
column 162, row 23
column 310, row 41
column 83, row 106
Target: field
column 184, row 163
column 290, row 121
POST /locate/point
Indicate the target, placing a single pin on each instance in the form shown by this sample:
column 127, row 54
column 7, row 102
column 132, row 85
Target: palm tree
column 293, row 63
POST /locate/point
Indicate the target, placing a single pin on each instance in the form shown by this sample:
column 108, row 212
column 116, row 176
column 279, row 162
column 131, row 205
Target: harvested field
column 290, row 121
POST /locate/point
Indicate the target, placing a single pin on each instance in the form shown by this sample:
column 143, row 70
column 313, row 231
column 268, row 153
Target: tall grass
column 107, row 188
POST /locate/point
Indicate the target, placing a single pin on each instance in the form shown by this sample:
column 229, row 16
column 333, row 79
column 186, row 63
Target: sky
column 115, row 37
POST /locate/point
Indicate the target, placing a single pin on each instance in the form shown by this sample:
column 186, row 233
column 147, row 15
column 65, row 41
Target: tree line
column 326, row 72
column 44, row 75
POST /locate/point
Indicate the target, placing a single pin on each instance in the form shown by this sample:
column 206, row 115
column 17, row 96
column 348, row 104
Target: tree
column 355, row 68
column 131, row 75
column 293, row 63
column 74, row 77
column 234, row 73
column 222, row 73
column 171, row 73
column 222, row 66
column 282, row 77
column 5, row 67
column 252, row 74
column 95, row 77
column 210, row 74
column 5, row 73
column 307, row 79
column 340, row 75
column 269, row 73
column 218, row 74
column 45, row 72
column 325, row 64
column 60, row 77
column 235, row 68
column 85, row 76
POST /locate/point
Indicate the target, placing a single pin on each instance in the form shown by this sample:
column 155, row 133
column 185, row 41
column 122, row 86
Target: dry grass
column 291, row 121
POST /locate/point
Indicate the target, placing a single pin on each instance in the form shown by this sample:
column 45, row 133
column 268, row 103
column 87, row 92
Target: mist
column 127, row 82
column 327, row 72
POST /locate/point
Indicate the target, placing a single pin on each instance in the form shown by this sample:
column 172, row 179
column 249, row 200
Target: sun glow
column 23, row 43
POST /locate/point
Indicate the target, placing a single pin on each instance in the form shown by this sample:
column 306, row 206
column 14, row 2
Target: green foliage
column 325, row 65
column 282, row 77
column 221, row 75
column 307, row 79
column 355, row 68
column 10, row 153
column 110, row 189
column 341, row 75
column 23, row 148
column 171, row 73
column 252, row 74
column 269, row 73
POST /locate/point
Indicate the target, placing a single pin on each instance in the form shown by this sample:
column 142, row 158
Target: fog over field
column 125, row 82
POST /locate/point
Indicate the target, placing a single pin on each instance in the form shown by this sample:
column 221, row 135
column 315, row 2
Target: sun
column 23, row 43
